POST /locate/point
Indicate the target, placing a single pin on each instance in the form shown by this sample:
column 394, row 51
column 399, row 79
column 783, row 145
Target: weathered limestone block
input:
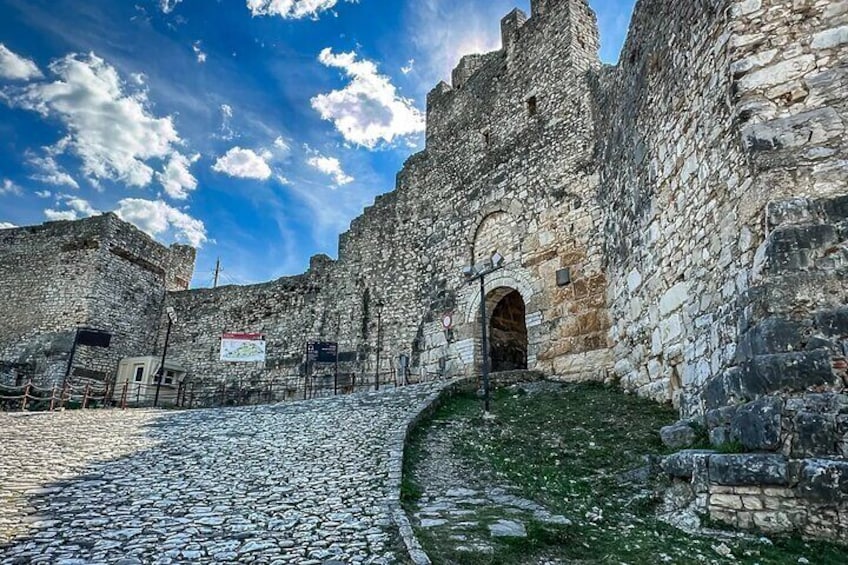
column 748, row 469
column 757, row 424
column 824, row 480
column 678, row 435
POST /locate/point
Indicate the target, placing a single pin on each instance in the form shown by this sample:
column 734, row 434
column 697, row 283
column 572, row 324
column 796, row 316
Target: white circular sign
column 447, row 321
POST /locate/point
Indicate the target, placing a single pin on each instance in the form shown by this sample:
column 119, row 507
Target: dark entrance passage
column 508, row 334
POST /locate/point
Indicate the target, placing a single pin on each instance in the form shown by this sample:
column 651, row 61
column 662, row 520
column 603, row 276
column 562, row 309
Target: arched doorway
column 508, row 332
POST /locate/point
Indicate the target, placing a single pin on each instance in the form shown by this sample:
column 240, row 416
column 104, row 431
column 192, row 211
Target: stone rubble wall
column 716, row 109
column 100, row 273
column 766, row 492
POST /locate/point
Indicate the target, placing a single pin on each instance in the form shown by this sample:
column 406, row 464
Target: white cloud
column 331, row 166
column 157, row 218
column 9, row 187
column 201, row 56
column 406, row 69
column 15, row 67
column 369, row 109
column 244, row 163
column 111, row 130
column 76, row 208
column 291, row 9
column 168, row 5
column 43, row 193
column 176, row 177
column 49, row 171
column 7, row 225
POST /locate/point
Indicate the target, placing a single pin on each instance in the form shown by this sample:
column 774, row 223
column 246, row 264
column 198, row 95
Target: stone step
column 507, row 378
column 767, row 374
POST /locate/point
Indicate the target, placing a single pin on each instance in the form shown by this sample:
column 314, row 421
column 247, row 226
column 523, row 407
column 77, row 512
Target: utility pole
column 217, row 272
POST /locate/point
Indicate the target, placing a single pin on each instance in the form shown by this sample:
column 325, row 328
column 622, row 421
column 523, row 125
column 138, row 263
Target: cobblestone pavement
column 306, row 482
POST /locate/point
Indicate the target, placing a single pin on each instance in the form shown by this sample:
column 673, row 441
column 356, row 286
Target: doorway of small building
column 507, row 331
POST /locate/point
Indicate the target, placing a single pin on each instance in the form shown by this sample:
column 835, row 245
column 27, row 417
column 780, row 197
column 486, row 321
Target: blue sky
column 254, row 129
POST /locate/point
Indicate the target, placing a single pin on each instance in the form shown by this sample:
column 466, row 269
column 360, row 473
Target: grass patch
column 567, row 449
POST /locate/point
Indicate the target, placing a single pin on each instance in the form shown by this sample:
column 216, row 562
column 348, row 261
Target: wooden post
column 124, row 394
column 26, row 395
column 53, row 397
column 85, row 395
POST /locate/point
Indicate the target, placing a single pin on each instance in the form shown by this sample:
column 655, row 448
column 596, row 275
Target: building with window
column 138, row 376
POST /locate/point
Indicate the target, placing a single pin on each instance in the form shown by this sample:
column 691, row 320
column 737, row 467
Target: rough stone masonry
column 676, row 223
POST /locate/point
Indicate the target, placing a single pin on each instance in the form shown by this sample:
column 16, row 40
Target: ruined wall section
column 726, row 246
column 285, row 311
column 46, row 272
column 98, row 272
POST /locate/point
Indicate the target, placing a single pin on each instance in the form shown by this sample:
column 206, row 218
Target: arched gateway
column 508, row 332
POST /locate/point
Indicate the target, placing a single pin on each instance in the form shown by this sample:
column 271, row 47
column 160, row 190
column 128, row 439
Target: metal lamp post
column 172, row 318
column 475, row 273
column 379, row 306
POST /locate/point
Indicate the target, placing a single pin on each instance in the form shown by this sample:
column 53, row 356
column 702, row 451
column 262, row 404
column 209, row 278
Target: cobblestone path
column 306, row 482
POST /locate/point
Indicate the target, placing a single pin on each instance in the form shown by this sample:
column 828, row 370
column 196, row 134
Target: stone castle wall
column 100, row 273
column 710, row 116
column 694, row 194
column 508, row 167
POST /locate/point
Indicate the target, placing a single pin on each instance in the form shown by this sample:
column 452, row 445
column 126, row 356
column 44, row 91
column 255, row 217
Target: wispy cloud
column 198, row 52
column 9, row 187
column 75, row 208
column 158, row 219
column 244, row 163
column 168, row 6
column 443, row 31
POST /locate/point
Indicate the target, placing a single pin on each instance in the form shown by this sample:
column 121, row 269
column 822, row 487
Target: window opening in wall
column 532, row 106
column 169, row 377
column 487, row 137
column 139, row 373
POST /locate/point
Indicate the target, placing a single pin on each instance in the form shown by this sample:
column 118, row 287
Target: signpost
column 242, row 348
column 85, row 336
column 323, row 352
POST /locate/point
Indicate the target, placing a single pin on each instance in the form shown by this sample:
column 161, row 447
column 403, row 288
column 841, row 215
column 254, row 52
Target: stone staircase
column 783, row 406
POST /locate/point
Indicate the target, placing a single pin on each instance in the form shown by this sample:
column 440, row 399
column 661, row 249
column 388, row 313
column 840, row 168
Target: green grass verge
column 565, row 449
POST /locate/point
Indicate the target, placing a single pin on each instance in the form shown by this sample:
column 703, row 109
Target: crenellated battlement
column 560, row 35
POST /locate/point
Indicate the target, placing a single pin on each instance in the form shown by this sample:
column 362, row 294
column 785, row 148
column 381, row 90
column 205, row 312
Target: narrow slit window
column 532, row 106
column 487, row 138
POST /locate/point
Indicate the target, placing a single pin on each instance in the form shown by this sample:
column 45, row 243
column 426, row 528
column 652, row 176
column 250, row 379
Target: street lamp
column 379, row 306
column 474, row 273
column 172, row 318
